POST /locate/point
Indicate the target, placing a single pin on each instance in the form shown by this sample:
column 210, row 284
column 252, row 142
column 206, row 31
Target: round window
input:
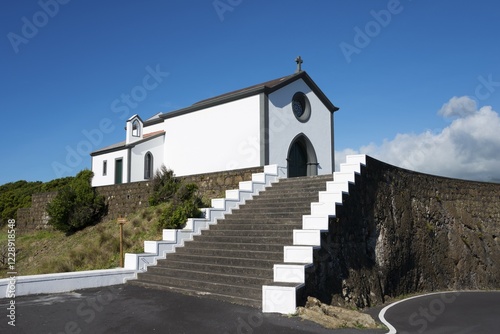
column 300, row 106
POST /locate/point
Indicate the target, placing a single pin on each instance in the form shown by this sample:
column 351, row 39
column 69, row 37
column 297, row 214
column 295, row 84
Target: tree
column 16, row 195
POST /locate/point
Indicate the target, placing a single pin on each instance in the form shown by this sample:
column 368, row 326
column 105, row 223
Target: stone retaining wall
column 35, row 217
column 123, row 199
column 400, row 232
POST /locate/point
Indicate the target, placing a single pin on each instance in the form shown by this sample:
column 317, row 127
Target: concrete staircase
column 234, row 258
column 289, row 276
column 254, row 247
column 171, row 239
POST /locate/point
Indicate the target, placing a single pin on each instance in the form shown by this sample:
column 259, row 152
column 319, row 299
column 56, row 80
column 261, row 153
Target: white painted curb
column 63, row 282
column 381, row 315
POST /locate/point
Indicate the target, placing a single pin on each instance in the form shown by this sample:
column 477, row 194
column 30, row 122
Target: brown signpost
column 121, row 221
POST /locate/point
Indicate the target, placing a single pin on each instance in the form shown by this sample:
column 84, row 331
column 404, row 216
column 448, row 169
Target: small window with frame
column 136, row 131
column 148, row 166
column 105, row 167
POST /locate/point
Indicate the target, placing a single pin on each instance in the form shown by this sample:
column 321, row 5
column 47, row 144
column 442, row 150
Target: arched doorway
column 301, row 157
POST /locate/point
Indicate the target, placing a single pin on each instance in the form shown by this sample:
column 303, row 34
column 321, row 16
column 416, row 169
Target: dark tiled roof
column 121, row 145
column 153, row 120
column 267, row 84
column 110, row 148
column 266, row 87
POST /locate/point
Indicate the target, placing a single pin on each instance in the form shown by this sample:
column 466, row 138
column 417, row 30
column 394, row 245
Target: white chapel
column 288, row 121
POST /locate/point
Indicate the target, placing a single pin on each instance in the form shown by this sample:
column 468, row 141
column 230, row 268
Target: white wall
column 222, row 137
column 153, row 128
column 283, row 126
column 97, row 163
column 155, row 146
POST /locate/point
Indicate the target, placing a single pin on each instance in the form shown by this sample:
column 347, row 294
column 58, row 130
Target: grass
column 96, row 247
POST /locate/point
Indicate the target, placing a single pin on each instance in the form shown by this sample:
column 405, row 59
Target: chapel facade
column 288, row 121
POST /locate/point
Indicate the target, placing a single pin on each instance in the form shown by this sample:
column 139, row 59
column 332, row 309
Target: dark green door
column 118, row 171
column 297, row 160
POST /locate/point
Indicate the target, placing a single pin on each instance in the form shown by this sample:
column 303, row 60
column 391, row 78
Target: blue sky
column 417, row 81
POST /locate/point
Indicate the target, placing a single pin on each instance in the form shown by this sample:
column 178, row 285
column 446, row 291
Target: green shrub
column 165, row 185
column 182, row 199
column 176, row 214
column 77, row 205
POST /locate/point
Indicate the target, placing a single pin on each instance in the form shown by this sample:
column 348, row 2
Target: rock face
column 401, row 232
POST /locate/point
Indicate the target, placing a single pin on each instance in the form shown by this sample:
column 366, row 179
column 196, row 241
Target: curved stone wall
column 401, row 232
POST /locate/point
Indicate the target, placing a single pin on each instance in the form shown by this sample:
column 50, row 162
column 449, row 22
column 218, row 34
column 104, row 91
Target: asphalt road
column 442, row 313
column 131, row 309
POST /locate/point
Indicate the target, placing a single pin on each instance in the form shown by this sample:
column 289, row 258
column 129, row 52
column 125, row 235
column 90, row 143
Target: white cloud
column 469, row 148
column 458, row 107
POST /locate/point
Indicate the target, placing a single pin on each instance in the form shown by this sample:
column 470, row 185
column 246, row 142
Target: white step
column 269, row 175
column 212, row 214
column 239, row 195
column 271, row 170
column 307, row 237
column 290, row 273
column 279, row 299
column 252, row 187
column 356, row 159
column 177, row 236
column 351, row 167
column 196, row 225
column 262, row 178
column 344, row 176
column 298, row 254
column 332, row 186
column 139, row 261
column 224, row 204
column 310, row 222
column 331, row 196
column 161, row 248
column 323, row 208
column 259, row 178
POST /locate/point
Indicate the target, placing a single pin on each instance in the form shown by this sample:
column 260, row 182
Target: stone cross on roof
column 299, row 62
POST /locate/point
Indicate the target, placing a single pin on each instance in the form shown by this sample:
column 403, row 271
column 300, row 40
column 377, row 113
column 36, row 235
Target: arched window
column 136, row 131
column 148, row 166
